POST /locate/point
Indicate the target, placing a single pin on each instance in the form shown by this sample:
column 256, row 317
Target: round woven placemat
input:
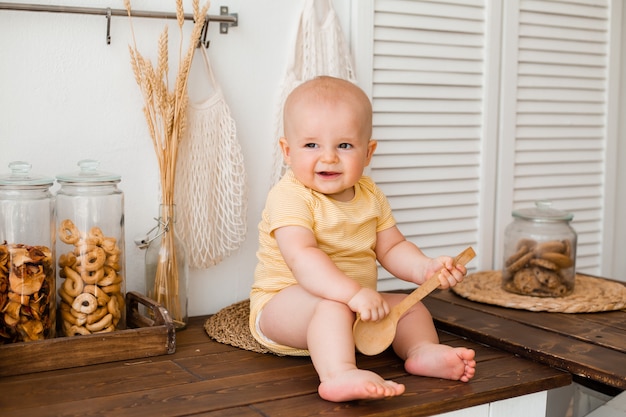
column 230, row 326
column 590, row 294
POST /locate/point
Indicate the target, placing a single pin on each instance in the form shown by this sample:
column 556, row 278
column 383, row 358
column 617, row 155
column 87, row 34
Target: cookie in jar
column 540, row 252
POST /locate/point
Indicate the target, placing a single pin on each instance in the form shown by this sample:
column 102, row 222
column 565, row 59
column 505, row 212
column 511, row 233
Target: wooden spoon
column 373, row 337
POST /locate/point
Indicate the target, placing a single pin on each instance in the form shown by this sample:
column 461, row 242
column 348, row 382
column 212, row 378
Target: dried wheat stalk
column 165, row 113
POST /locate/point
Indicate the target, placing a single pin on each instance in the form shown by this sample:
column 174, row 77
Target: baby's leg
column 296, row 318
column 418, row 345
column 332, row 350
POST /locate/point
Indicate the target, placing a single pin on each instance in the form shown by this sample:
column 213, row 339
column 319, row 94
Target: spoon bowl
column 373, row 337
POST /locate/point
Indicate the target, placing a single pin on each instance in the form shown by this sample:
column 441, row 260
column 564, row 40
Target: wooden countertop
column 591, row 346
column 207, row 378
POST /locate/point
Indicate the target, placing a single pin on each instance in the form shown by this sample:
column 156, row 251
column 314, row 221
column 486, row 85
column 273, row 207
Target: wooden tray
column 144, row 337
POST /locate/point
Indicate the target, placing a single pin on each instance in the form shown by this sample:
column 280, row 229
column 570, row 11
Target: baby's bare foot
column 358, row 384
column 441, row 361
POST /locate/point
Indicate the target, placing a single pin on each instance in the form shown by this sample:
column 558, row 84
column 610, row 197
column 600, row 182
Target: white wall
column 66, row 95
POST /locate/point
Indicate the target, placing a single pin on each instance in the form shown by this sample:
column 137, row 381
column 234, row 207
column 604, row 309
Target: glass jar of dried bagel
column 540, row 252
column 90, row 249
column 27, row 273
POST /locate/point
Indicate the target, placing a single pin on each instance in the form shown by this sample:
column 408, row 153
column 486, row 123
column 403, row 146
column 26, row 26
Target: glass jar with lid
column 540, row 252
column 90, row 247
column 27, row 261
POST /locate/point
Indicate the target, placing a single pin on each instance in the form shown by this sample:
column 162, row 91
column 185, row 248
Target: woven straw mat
column 230, row 326
column 590, row 294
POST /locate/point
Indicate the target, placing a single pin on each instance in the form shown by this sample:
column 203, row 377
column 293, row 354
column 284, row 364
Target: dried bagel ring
column 117, row 315
column 91, row 277
column 93, row 259
column 108, row 329
column 97, row 315
column 112, row 289
column 114, row 307
column 81, row 318
column 67, row 316
column 81, row 248
column 113, row 261
column 115, row 265
column 65, row 327
column 77, row 331
column 85, row 303
column 109, row 277
column 73, row 284
column 71, row 317
column 101, row 324
column 95, row 236
column 109, row 244
column 68, row 232
column 64, row 306
column 68, row 299
column 67, row 259
column 97, row 292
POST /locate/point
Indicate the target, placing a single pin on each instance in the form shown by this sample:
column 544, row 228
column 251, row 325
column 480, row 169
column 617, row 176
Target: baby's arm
column 406, row 261
column 316, row 273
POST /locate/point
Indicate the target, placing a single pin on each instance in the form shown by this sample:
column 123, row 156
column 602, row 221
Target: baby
column 324, row 227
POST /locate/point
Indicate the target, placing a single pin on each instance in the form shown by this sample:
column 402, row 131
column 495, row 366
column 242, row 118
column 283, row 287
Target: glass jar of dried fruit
column 27, row 256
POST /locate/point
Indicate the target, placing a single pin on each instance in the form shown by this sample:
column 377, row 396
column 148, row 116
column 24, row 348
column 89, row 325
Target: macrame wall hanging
column 320, row 49
column 211, row 201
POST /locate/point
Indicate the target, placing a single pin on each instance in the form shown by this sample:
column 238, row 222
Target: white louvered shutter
column 554, row 119
column 485, row 106
column 427, row 95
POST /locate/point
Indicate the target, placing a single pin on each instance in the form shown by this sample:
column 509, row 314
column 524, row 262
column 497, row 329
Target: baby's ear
column 371, row 147
column 284, row 146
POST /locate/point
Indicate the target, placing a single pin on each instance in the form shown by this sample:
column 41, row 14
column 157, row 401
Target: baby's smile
column 328, row 174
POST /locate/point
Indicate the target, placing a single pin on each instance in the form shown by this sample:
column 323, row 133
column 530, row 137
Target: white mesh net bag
column 320, row 49
column 211, row 201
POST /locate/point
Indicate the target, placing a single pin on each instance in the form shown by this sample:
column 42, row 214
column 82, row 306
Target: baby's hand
column 450, row 274
column 369, row 304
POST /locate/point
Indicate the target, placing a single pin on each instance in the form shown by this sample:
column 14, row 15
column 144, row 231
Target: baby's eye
column 310, row 145
column 345, row 146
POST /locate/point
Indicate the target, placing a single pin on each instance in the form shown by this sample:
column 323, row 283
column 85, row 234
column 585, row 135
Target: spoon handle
column 429, row 286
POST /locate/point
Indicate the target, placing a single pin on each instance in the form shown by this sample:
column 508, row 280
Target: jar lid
column 21, row 176
column 88, row 174
column 543, row 212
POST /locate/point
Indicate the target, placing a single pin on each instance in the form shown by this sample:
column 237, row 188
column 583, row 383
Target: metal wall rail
column 225, row 19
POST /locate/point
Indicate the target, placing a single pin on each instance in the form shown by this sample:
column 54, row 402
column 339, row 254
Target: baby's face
column 327, row 146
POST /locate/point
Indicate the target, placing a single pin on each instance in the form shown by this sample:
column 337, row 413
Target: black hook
column 109, row 26
column 203, row 41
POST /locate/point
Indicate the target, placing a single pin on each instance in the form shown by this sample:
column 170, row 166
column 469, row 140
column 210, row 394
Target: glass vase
column 167, row 271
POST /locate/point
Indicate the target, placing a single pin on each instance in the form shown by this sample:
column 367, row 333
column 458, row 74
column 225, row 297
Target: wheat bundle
column 165, row 113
